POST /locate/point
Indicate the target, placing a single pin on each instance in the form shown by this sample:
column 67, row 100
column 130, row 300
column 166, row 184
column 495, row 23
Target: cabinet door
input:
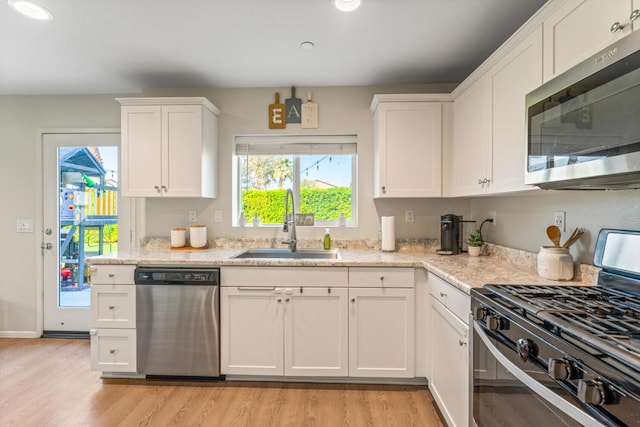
column 472, row 139
column 409, row 149
column 449, row 380
column 381, row 332
column 579, row 29
column 516, row 75
column 113, row 350
column 140, row 151
column 182, row 140
column 251, row 331
column 316, row 329
column 113, row 306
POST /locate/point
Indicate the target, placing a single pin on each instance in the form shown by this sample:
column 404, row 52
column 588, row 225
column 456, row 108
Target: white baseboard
column 19, row 334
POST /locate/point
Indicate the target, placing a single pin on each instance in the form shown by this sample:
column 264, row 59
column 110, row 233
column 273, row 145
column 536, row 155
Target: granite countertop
column 462, row 271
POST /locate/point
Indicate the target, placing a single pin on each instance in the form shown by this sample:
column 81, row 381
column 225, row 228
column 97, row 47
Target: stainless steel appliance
column 583, row 127
column 450, row 234
column 178, row 321
column 561, row 355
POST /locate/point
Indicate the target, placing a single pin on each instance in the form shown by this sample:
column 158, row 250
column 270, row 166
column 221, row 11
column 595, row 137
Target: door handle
column 47, row 246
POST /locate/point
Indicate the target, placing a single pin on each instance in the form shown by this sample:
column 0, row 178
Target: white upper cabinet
column 580, row 28
column 168, row 147
column 408, row 131
column 517, row 74
column 489, row 139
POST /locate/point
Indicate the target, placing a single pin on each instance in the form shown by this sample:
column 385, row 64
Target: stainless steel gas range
column 561, row 355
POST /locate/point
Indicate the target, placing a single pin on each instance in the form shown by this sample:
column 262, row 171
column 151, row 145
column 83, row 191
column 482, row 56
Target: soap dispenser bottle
column 327, row 239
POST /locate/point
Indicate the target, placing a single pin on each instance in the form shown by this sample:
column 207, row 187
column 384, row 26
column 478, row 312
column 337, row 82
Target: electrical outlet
column 217, row 216
column 492, row 215
column 409, row 215
column 559, row 219
column 193, row 216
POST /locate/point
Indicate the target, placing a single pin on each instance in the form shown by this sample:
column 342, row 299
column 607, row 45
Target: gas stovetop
column 607, row 319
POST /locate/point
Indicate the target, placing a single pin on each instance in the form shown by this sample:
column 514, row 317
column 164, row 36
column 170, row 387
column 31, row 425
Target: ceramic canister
column 198, row 236
column 555, row 263
column 178, row 237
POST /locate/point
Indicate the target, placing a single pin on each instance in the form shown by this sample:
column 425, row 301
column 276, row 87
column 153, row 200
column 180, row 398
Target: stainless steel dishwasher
column 178, row 321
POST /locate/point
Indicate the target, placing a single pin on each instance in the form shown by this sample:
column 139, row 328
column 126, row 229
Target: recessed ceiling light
column 307, row 45
column 346, row 5
column 32, row 10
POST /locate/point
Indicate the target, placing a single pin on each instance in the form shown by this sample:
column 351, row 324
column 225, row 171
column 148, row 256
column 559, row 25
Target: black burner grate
column 605, row 318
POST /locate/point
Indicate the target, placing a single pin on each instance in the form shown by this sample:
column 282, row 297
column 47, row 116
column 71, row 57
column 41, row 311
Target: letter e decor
column 277, row 118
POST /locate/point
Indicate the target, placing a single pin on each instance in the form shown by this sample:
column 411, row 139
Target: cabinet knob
column 112, row 351
column 286, row 300
column 279, row 300
column 384, row 189
column 164, row 188
column 353, row 300
column 93, row 332
column 616, row 26
column 382, row 278
column 635, row 15
column 480, row 181
column 156, row 188
column 461, row 343
column 111, row 275
column 112, row 307
column 442, row 294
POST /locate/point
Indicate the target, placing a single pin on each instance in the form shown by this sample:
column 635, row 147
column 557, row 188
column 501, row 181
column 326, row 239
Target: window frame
column 298, row 140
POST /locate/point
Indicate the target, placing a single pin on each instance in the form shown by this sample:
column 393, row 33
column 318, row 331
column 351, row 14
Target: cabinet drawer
column 113, row 306
column 284, row 276
column 113, row 350
column 454, row 299
column 374, row 277
column 103, row 274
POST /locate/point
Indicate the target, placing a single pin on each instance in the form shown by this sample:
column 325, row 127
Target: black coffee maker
column 450, row 243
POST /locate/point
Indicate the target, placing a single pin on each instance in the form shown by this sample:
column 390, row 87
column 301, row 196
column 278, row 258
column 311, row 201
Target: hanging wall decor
column 277, row 119
column 309, row 114
column 292, row 107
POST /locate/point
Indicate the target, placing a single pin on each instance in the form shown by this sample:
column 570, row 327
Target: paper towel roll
column 388, row 233
column 198, row 236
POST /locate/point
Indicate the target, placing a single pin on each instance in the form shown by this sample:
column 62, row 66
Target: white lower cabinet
column 284, row 331
column 381, row 332
column 113, row 350
column 113, row 318
column 449, row 378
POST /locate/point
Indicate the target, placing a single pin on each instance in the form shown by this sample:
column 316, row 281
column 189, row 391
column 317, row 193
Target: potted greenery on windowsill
column 475, row 242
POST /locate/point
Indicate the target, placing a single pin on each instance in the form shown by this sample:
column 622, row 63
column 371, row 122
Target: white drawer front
column 375, row 277
column 112, row 274
column 113, row 306
column 454, row 299
column 261, row 276
column 113, row 350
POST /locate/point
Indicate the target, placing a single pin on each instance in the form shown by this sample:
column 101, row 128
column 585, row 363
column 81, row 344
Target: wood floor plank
column 48, row 382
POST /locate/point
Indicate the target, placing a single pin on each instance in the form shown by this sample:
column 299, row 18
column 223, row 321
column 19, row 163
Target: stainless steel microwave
column 583, row 127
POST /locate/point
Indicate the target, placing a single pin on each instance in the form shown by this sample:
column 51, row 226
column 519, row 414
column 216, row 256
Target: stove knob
column 495, row 323
column 561, row 369
column 526, row 348
column 591, row 391
column 480, row 313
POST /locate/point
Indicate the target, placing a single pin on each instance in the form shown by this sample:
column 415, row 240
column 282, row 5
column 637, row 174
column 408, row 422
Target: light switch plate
column 193, row 216
column 24, row 226
column 217, row 216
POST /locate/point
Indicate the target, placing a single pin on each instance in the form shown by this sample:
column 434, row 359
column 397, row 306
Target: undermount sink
column 287, row 254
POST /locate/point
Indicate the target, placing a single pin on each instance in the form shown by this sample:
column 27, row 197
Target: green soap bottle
column 327, row 239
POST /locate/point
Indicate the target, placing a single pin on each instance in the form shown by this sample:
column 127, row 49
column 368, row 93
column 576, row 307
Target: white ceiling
column 125, row 46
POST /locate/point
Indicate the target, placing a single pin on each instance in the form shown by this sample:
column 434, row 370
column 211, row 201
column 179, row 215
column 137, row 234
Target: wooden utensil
column 570, row 237
column 277, row 114
column 554, row 233
column 293, row 107
column 574, row 238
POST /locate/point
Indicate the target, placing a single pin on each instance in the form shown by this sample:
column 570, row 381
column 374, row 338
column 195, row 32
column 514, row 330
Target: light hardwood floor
column 48, row 382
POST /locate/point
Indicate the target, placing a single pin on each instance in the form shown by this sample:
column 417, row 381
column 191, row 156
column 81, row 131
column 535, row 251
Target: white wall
column 20, row 119
column 341, row 110
column 522, row 220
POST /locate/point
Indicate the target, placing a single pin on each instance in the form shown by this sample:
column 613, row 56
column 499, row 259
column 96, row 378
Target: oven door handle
column 534, row 385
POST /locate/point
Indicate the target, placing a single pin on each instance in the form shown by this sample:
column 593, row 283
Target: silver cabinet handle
column 156, row 188
column 461, row 342
column 164, row 188
column 254, row 288
column 442, row 294
column 635, row 15
column 616, row 26
column 480, row 181
column 47, row 246
column 111, row 275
